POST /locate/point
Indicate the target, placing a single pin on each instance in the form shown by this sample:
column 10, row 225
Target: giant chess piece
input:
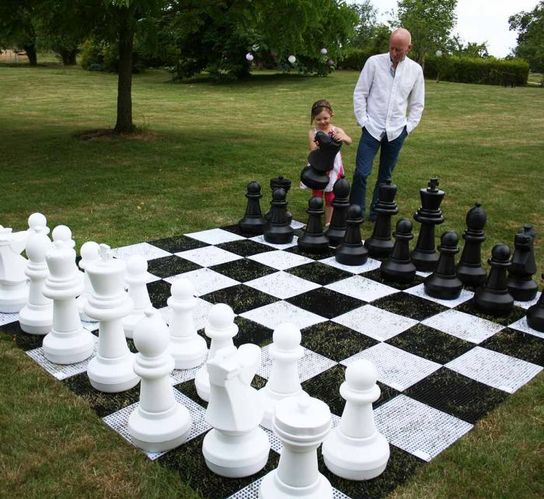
column 36, row 317
column 13, row 280
column 135, row 278
column 111, row 369
column 399, row 267
column 186, row 347
column 159, row 423
column 424, row 255
column 313, row 239
column 320, row 162
column 469, row 268
column 89, row 252
column 494, row 298
column 520, row 275
column 380, row 244
column 284, row 380
column 236, row 446
column 278, row 230
column 352, row 251
column 301, row 423
column 68, row 342
column 253, row 221
column 355, row 449
column 443, row 283
column 279, row 183
column 535, row 314
column 337, row 229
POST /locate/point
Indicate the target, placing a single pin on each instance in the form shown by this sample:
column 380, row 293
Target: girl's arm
column 311, row 140
column 341, row 136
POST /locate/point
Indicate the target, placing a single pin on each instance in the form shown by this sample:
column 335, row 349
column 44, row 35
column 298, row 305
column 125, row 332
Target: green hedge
column 354, row 59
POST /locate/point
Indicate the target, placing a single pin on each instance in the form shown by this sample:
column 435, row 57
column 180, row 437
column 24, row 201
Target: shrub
column 355, row 58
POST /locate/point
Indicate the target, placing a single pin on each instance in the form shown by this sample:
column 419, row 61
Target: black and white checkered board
column 442, row 365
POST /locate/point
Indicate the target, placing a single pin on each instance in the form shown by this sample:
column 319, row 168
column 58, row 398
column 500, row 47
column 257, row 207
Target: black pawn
column 380, row 244
column 278, row 229
column 352, row 251
column 520, row 275
column 494, row 298
column 337, row 228
column 253, row 221
column 425, row 256
column 535, row 314
column 443, row 283
column 313, row 240
column 469, row 269
column 283, row 183
column 399, row 267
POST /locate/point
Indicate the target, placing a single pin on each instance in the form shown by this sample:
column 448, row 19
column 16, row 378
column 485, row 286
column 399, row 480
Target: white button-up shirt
column 385, row 101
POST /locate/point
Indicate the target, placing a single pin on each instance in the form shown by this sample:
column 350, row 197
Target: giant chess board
column 442, row 365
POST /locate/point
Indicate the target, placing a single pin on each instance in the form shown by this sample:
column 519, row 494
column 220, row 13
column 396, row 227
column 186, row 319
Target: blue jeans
column 389, row 154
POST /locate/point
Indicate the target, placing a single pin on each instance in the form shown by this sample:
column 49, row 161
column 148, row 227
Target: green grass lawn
column 200, row 143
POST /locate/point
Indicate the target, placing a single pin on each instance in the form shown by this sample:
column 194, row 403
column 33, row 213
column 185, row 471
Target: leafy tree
column 530, row 29
column 456, row 46
column 17, row 28
column 366, row 24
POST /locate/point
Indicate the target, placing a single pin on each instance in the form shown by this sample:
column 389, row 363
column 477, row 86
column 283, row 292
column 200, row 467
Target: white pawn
column 159, row 423
column 137, row 290
column 13, row 281
column 236, row 446
column 186, row 346
column 301, row 423
column 221, row 329
column 111, row 369
column 284, row 381
column 355, row 450
column 89, row 252
column 36, row 317
column 68, row 342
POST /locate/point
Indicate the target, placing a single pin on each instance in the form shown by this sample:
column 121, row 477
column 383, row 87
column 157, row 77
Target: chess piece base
column 496, row 304
column 443, row 289
column 403, row 273
column 63, row 348
column 188, row 352
column 273, row 488
column 112, row 375
column 523, row 290
column 425, row 262
column 36, row 320
column 535, row 318
column 351, row 256
column 13, row 298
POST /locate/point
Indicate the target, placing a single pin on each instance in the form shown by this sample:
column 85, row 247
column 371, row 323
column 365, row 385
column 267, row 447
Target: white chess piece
column 159, row 423
column 111, row 369
column 68, row 342
column 13, row 281
column 221, row 329
column 236, row 446
column 284, row 381
column 301, row 423
column 137, row 290
column 186, row 346
column 89, row 252
column 36, row 317
column 355, row 450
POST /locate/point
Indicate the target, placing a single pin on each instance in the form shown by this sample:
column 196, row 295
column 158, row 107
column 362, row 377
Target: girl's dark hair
column 319, row 106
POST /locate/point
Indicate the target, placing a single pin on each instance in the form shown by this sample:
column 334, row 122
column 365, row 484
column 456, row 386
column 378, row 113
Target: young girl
column 321, row 116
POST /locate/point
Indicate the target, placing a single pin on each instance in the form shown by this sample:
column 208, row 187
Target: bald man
column 388, row 102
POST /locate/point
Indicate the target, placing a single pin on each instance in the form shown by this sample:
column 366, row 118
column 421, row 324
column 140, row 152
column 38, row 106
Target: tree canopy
column 530, row 29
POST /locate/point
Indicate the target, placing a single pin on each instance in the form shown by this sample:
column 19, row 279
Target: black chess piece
column 253, row 222
column 425, row 256
column 380, row 244
column 469, row 268
column 320, row 162
column 520, row 274
column 337, row 229
column 535, row 314
column 313, row 240
column 443, row 283
column 351, row 250
column 278, row 229
column 494, row 298
column 399, row 267
column 285, row 184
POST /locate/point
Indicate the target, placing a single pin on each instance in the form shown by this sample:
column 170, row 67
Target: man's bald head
column 400, row 44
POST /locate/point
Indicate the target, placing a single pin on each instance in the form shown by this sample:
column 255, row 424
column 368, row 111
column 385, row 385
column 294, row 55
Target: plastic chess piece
column 280, row 183
column 469, row 268
column 111, row 369
column 337, row 229
column 284, row 381
column 301, row 423
column 535, row 314
column 520, row 275
column 278, row 230
column 320, row 161
column 89, row 252
column 253, row 221
column 36, row 317
column 494, row 298
column 355, row 450
column 68, row 342
column 313, row 239
column 424, row 256
column 352, row 251
column 443, row 283
column 236, row 446
column 186, row 347
column 136, row 278
column 13, row 280
column 380, row 244
column 399, row 267
column 158, row 423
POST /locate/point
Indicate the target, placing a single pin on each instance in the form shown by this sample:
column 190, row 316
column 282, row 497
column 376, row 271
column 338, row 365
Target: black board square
column 456, row 394
column 376, row 276
column 431, row 344
column 188, row 388
column 335, row 341
column 245, row 247
column 517, row 344
column 410, row 306
column 325, row 302
column 258, row 382
column 326, row 387
column 159, row 292
column 469, row 308
column 177, row 244
column 251, row 332
column 240, row 298
column 319, row 273
column 23, row 340
column 234, row 229
column 243, row 270
column 168, row 266
column 308, row 254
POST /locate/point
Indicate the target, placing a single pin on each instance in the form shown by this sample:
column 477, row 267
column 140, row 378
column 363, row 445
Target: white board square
column 208, row 256
column 148, row 251
column 260, row 239
column 282, row 285
column 370, row 264
column 8, row 318
column 280, row 260
column 362, row 288
column 204, row 280
column 215, row 236
column 419, row 291
column 276, row 313
column 523, row 326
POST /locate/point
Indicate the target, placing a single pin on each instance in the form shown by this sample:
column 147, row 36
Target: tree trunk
column 68, row 56
column 124, row 83
column 31, row 54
